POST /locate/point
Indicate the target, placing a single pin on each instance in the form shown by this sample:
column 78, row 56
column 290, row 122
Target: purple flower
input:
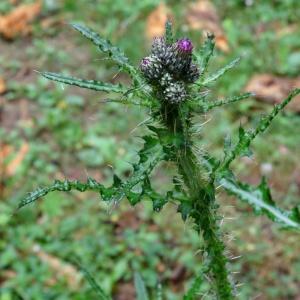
column 145, row 62
column 185, row 46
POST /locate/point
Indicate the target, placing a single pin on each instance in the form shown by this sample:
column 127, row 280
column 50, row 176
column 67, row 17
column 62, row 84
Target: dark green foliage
column 171, row 140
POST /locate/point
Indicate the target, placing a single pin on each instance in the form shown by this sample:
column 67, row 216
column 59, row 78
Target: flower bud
column 192, row 74
column 185, row 46
column 175, row 92
column 166, row 80
column 151, row 67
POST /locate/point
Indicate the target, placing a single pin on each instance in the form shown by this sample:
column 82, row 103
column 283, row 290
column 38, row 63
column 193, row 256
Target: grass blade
column 140, row 288
column 95, row 286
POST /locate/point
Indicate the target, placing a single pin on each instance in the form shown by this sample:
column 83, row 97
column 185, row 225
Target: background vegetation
column 52, row 131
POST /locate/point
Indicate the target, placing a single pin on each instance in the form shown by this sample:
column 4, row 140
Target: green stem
column 204, row 210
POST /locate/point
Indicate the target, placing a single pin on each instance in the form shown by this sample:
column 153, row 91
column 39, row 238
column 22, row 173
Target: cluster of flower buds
column 169, row 67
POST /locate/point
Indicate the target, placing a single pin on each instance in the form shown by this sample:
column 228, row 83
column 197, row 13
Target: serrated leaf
column 140, row 288
column 149, row 156
column 86, row 84
column 158, row 200
column 213, row 77
column 104, row 45
column 205, row 53
column 115, row 53
column 185, row 209
column 63, row 186
column 210, row 105
column 246, row 137
column 260, row 199
column 169, row 33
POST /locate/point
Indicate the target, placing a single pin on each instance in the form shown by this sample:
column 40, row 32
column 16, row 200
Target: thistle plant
column 169, row 84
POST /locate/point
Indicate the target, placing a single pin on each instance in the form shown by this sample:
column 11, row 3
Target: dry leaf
column 272, row 89
column 125, row 291
column 202, row 15
column 155, row 25
column 63, row 269
column 13, row 2
column 10, row 168
column 18, row 21
column 2, row 86
column 16, row 162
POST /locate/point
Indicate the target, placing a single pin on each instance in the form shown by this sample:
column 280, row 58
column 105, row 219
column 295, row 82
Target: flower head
column 145, row 62
column 151, row 67
column 185, row 46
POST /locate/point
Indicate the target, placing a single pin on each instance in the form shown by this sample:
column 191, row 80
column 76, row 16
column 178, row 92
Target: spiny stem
column 205, row 218
column 204, row 212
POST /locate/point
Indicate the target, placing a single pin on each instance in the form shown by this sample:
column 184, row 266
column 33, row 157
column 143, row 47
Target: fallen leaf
column 2, row 86
column 17, row 160
column 273, row 89
column 7, row 275
column 202, row 15
column 61, row 268
column 278, row 28
column 10, row 168
column 155, row 25
column 17, row 22
column 125, row 291
column 126, row 220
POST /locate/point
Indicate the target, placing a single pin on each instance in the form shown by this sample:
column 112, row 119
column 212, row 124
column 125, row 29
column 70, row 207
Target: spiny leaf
column 219, row 73
column 210, row 105
column 158, row 200
column 194, row 290
column 149, row 156
column 169, row 33
column 114, row 52
column 140, row 288
column 246, row 137
column 87, row 84
column 95, row 286
column 260, row 199
column 63, row 186
column 205, row 53
column 104, row 45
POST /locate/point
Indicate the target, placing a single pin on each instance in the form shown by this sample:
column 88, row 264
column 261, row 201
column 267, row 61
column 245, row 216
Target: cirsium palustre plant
column 169, row 84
